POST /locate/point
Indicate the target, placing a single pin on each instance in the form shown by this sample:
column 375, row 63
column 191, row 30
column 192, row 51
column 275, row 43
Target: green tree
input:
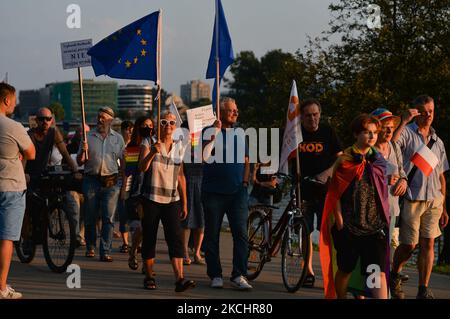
column 58, row 110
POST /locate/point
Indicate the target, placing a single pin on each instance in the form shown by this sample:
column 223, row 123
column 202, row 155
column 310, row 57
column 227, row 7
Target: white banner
column 74, row 54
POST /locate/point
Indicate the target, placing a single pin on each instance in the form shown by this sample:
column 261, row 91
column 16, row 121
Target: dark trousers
column 169, row 214
column 236, row 207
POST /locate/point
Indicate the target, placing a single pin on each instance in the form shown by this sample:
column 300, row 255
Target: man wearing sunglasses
column 44, row 137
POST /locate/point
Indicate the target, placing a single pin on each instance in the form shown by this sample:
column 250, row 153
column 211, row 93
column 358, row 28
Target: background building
column 96, row 95
column 31, row 100
column 195, row 91
column 134, row 101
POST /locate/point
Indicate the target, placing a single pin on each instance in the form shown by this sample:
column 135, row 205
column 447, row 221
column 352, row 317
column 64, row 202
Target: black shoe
column 183, row 284
column 395, row 285
column 424, row 293
column 403, row 277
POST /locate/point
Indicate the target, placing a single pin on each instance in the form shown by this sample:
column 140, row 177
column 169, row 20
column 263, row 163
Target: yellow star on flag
column 128, row 64
column 143, row 52
column 136, row 60
column 139, row 32
column 143, row 42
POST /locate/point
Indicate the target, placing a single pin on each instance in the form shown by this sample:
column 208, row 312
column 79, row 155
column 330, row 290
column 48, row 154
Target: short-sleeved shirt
column 161, row 178
column 318, row 150
column 225, row 177
column 13, row 140
column 422, row 187
column 104, row 153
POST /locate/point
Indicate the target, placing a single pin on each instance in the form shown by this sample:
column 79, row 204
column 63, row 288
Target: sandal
column 90, row 253
column 199, row 261
column 149, row 283
column 309, row 281
column 183, row 284
column 133, row 263
column 187, row 261
column 124, row 249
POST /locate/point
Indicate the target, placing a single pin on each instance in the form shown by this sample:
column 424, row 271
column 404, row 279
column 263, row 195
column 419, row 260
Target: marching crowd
column 371, row 203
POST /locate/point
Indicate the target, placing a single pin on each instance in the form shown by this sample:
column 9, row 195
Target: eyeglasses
column 166, row 122
column 44, row 118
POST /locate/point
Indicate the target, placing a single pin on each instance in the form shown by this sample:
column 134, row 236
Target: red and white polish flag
column 425, row 160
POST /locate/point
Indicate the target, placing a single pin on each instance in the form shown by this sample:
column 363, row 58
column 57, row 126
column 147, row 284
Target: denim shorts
column 12, row 210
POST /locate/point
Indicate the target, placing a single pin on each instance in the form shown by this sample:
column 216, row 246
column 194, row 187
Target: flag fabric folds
column 425, row 160
column 221, row 48
column 131, row 52
column 292, row 134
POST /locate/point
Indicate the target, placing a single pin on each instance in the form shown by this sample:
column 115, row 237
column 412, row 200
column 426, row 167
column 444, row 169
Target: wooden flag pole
column 217, row 63
column 158, row 80
column 83, row 114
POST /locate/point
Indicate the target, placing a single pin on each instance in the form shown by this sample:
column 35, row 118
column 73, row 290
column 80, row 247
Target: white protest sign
column 74, row 54
column 200, row 117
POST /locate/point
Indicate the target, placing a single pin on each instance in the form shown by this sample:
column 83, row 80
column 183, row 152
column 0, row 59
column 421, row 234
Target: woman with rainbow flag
column 354, row 245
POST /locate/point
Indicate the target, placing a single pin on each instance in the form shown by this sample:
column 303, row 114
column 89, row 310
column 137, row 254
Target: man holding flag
column 423, row 211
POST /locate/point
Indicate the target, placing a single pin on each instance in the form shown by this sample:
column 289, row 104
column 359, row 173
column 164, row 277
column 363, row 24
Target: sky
column 31, row 32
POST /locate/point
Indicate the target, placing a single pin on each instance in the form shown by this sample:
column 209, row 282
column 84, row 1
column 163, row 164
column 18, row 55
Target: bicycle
column 47, row 223
column 290, row 234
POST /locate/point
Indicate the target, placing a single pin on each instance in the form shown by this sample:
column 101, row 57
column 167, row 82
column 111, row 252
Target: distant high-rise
column 195, row 91
column 134, row 101
column 96, row 95
column 31, row 100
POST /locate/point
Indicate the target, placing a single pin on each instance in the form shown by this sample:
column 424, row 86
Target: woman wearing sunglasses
column 164, row 192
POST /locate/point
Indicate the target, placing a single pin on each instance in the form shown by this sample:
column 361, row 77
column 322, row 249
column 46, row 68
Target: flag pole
column 297, row 164
column 159, row 73
column 217, row 63
column 83, row 113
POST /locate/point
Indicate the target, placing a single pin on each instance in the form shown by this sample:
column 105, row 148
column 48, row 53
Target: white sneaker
column 216, row 282
column 10, row 293
column 241, row 283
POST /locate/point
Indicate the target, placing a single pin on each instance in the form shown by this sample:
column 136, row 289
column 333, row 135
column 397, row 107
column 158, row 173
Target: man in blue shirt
column 423, row 209
column 224, row 190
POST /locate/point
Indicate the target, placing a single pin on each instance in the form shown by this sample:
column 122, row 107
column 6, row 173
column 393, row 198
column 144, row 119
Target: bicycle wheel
column 294, row 254
column 257, row 250
column 25, row 247
column 59, row 240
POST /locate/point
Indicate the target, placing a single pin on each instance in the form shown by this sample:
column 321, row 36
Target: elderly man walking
column 423, row 209
column 105, row 150
column 14, row 145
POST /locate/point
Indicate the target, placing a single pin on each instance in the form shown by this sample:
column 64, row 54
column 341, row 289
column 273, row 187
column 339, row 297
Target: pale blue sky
column 31, row 32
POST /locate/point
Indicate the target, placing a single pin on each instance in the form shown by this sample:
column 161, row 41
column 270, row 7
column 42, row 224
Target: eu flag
column 129, row 53
column 221, row 47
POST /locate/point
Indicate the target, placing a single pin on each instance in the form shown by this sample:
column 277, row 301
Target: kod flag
column 292, row 134
column 131, row 52
column 425, row 160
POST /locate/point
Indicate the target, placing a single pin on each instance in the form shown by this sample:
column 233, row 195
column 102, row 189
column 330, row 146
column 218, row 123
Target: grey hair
column 224, row 100
column 166, row 113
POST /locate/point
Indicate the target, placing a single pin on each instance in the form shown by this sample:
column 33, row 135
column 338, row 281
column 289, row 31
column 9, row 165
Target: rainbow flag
column 131, row 159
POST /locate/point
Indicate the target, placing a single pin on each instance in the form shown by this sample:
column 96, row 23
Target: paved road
column 116, row 280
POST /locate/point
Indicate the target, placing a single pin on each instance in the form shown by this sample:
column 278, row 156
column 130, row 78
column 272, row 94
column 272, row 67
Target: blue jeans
column 73, row 204
column 236, row 207
column 99, row 202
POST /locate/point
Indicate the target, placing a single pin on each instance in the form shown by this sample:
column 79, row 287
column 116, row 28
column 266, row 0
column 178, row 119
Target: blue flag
column 129, row 53
column 221, row 47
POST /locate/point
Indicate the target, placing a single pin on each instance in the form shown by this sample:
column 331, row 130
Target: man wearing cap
column 423, row 209
column 397, row 181
column 104, row 148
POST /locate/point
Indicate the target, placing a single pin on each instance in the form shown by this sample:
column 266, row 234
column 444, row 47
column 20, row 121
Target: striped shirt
column 161, row 179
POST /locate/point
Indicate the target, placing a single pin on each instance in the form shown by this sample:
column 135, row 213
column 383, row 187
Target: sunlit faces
column 168, row 124
column 310, row 117
column 426, row 114
column 367, row 137
column 386, row 131
column 230, row 113
column 103, row 121
column 44, row 119
column 10, row 102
